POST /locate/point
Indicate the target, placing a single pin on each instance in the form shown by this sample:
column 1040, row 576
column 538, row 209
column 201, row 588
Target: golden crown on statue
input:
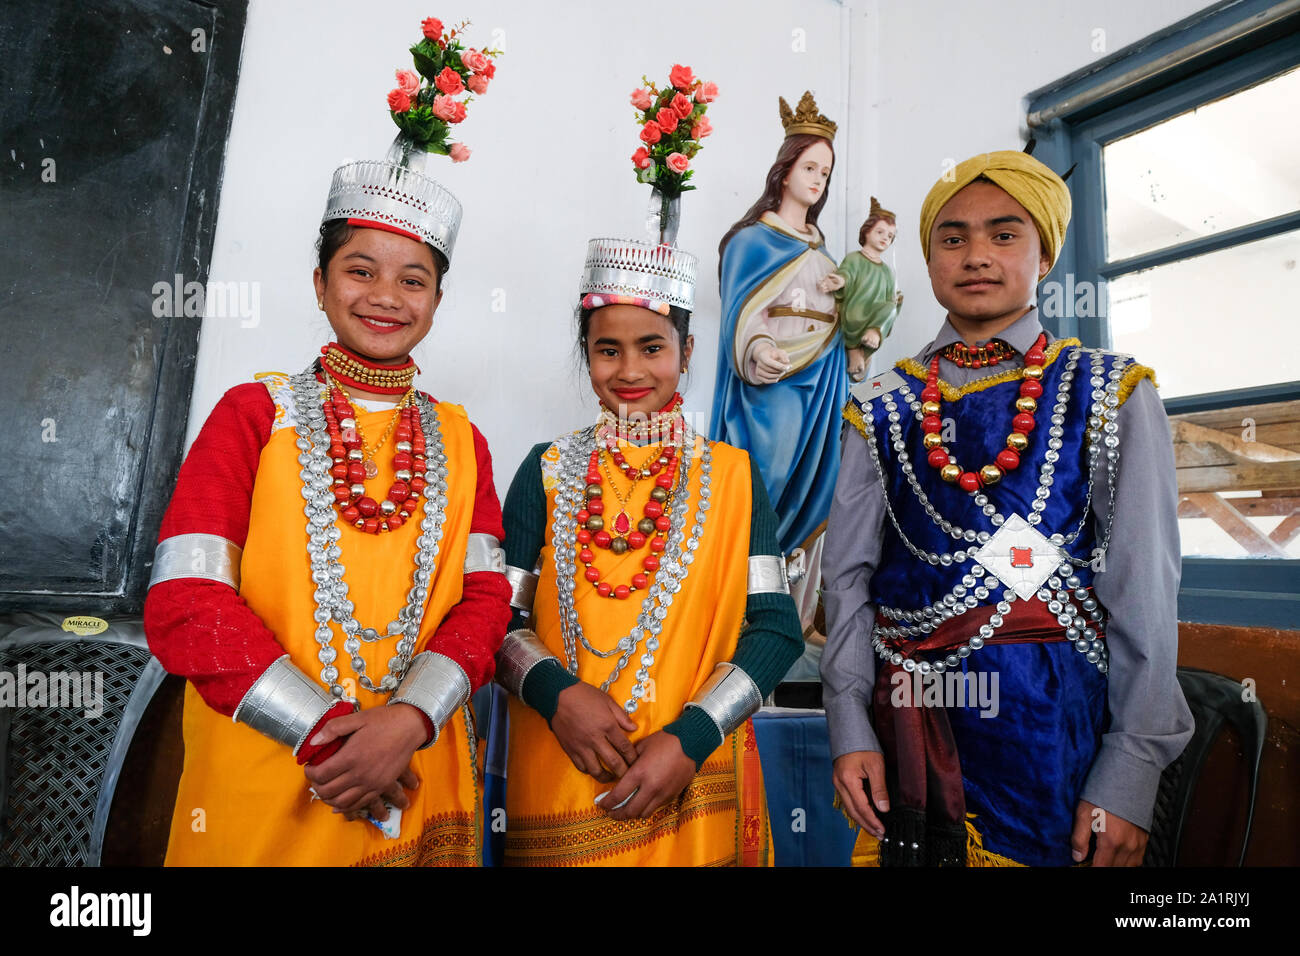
column 805, row 119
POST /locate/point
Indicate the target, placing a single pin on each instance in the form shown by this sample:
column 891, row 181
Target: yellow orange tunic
column 721, row 818
column 242, row 798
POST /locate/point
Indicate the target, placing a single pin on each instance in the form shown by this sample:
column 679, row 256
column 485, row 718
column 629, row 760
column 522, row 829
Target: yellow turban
column 1043, row 194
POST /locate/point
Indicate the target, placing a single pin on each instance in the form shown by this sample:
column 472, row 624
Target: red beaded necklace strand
column 349, row 469
column 1021, row 425
column 656, row 513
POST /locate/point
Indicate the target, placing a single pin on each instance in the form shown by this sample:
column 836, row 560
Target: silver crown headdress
column 396, row 192
column 634, row 267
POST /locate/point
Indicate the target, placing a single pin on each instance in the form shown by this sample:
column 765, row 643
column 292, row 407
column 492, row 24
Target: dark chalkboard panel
column 113, row 124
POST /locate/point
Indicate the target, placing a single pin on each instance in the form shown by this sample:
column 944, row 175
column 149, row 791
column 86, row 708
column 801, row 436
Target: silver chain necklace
column 1063, row 590
column 323, row 534
column 1104, row 412
column 674, row 561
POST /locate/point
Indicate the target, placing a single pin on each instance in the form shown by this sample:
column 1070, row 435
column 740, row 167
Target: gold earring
column 320, row 304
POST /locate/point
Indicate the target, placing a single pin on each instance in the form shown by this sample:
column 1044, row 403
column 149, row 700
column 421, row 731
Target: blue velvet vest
column 1024, row 767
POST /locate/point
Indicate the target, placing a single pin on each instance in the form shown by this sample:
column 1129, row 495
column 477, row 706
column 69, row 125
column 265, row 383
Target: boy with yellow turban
column 1001, row 594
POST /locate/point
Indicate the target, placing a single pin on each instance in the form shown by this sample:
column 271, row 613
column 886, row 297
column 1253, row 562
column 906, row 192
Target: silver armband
column 767, row 574
column 435, row 685
column 284, row 704
column 483, row 553
column 729, row 696
column 207, row 556
column 521, row 651
column 523, row 585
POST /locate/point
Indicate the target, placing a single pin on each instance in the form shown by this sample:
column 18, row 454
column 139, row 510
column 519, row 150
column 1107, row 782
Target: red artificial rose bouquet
column 426, row 105
column 672, row 124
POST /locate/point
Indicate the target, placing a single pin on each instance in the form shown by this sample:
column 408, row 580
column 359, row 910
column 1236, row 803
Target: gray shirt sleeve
column 850, row 556
column 1138, row 584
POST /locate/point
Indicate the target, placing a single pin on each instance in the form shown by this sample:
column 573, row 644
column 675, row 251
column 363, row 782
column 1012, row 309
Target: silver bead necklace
column 323, row 534
column 674, row 561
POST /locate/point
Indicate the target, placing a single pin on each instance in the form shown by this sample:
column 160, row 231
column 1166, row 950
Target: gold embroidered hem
column 588, row 837
column 450, row 839
column 726, row 796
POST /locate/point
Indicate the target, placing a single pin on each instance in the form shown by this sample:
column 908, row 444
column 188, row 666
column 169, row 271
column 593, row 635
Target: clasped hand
column 373, row 765
column 592, row 730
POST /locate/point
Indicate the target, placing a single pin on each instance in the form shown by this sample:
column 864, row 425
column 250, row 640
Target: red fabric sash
column 926, row 825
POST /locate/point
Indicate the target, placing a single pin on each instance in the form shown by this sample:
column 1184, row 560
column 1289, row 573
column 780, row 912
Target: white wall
column 947, row 79
column 911, row 84
column 551, row 168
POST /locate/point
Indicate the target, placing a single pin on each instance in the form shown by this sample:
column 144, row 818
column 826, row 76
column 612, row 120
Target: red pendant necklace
column 1021, row 425
column 656, row 513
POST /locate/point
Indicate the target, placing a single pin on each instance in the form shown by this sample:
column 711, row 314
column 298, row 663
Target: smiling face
column 806, row 181
column 634, row 359
column 380, row 294
column 881, row 236
column 986, row 259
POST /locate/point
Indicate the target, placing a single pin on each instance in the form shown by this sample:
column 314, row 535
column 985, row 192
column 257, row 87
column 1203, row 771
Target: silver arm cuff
column 284, row 704
column 483, row 553
column 729, row 696
column 436, row 685
column 207, row 556
column 523, row 585
column 521, row 651
column 767, row 574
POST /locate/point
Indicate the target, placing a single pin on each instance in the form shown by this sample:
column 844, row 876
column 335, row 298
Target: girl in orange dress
column 344, row 637
column 653, row 615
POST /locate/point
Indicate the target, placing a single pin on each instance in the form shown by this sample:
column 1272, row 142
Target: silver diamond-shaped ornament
column 876, row 385
column 1020, row 556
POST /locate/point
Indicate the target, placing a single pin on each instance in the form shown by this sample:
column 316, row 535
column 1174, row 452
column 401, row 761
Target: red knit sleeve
column 472, row 631
column 199, row 629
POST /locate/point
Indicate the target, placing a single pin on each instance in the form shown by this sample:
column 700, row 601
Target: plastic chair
column 1214, row 700
column 59, row 767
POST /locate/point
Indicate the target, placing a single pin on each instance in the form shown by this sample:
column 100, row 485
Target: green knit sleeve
column 770, row 640
column 524, row 517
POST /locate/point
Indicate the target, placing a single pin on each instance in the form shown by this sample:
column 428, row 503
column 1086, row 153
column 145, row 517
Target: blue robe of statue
column 790, row 428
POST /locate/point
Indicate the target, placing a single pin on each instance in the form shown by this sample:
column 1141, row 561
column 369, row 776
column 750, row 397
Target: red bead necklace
column 349, row 472
column 656, row 517
column 985, row 356
column 1017, row 441
column 650, row 530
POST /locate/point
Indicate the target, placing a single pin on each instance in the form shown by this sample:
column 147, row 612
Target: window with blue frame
column 1185, row 252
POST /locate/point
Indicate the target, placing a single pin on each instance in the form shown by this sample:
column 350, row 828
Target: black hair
column 679, row 317
column 336, row 233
